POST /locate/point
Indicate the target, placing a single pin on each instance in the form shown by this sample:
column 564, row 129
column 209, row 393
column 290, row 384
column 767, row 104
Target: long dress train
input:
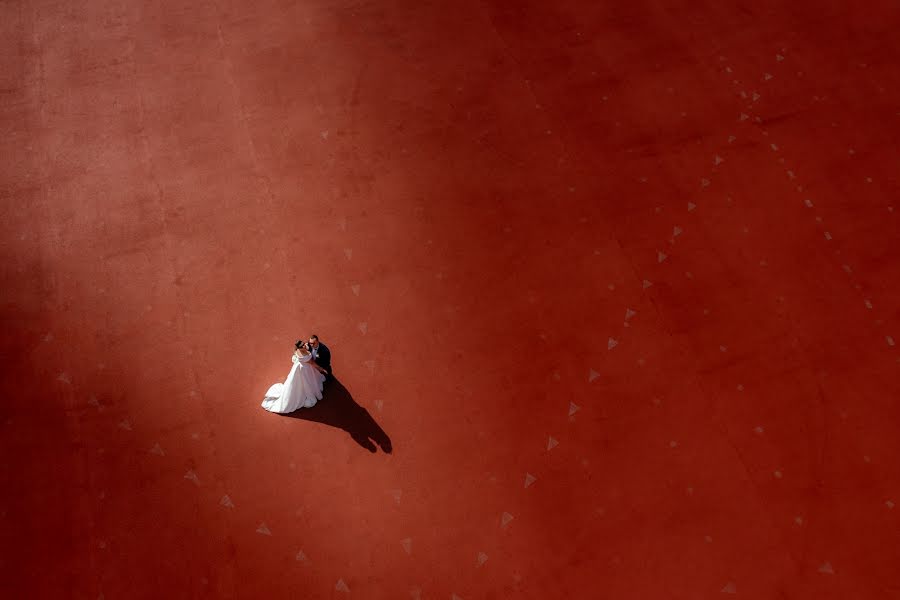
column 301, row 389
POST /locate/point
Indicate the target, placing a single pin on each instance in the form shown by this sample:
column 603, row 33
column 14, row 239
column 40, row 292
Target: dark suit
column 323, row 358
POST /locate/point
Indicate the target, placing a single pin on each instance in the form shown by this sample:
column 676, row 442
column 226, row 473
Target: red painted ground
column 627, row 272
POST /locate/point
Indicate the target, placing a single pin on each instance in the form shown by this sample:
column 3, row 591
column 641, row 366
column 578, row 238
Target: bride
column 301, row 389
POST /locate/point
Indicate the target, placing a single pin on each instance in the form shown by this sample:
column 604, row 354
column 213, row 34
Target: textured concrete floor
column 618, row 280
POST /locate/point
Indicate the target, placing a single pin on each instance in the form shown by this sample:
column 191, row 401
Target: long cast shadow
column 338, row 409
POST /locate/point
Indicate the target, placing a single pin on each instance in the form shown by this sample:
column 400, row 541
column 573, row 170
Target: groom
column 321, row 355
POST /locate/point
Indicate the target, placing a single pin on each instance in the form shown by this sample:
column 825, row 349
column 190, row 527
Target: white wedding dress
column 301, row 389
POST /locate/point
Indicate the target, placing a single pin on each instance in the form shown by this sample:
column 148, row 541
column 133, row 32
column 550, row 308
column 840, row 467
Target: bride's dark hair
column 299, row 344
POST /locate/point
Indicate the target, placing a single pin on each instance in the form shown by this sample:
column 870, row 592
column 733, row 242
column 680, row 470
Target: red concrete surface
column 625, row 272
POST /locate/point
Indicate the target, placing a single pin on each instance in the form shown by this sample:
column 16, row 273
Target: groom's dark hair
column 314, row 337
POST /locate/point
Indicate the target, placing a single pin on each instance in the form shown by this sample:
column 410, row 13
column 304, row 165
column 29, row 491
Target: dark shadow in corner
column 338, row 409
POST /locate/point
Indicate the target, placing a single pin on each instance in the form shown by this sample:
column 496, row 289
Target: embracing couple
column 304, row 384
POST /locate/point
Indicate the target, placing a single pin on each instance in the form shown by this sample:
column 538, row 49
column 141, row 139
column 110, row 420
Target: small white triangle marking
column 529, row 479
column 263, row 529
